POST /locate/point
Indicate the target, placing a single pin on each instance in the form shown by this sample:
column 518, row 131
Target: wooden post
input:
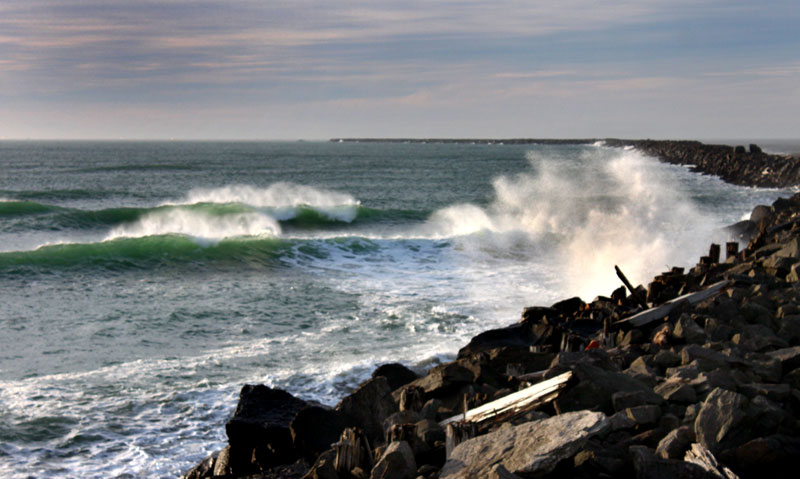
column 731, row 249
column 458, row 432
column 627, row 284
column 412, row 398
column 352, row 451
column 713, row 253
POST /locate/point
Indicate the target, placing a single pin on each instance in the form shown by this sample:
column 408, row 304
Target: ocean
column 143, row 283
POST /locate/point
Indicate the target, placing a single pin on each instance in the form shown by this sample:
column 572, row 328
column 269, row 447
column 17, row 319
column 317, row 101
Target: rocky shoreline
column 696, row 374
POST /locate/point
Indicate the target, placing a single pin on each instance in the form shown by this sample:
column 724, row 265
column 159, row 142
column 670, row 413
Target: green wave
column 23, row 208
column 146, row 253
column 299, row 217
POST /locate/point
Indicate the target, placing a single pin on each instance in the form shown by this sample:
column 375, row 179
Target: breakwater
column 736, row 164
column 692, row 370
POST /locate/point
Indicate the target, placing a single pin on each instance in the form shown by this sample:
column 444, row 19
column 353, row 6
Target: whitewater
column 143, row 283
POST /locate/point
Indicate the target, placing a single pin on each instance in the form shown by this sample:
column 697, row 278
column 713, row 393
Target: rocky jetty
column 735, row 164
column 696, row 374
column 738, row 165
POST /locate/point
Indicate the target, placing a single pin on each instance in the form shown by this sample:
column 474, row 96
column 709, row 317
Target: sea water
column 143, row 283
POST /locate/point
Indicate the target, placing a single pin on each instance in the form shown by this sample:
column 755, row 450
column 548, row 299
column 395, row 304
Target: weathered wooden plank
column 660, row 312
column 514, row 402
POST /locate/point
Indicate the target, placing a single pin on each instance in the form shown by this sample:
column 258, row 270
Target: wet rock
column 205, row 469
column 396, row 374
column 368, row 406
column 397, row 462
column 528, row 449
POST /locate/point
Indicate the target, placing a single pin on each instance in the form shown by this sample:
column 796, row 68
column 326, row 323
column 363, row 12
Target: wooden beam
column 519, row 401
column 660, row 312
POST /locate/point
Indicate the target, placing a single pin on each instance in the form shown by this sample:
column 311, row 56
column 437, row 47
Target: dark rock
column 689, row 331
column 755, row 149
column 314, row 429
column 772, row 456
column 368, row 406
column 675, row 443
column 789, row 358
column 259, row 428
column 535, row 314
column 676, row 391
column 324, row 467
column 626, row 399
column 595, row 357
column 647, row 415
column 396, row 374
column 593, row 388
column 204, row 470
column 667, row 359
column 397, row 462
column 530, row 449
column 708, row 359
column 774, row 392
column 569, row 307
column 708, row 381
column 717, row 426
column 649, row 466
column 444, row 379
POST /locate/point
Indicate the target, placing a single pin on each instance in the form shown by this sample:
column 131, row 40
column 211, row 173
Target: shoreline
column 651, row 376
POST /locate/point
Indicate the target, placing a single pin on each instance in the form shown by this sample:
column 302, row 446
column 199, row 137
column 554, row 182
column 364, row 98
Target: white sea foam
column 197, row 224
column 282, row 198
column 616, row 207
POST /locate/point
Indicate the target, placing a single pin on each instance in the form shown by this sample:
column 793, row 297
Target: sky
column 202, row 69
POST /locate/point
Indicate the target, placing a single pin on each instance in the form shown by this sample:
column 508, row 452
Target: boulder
column 718, row 423
column 772, row 456
column 444, row 380
column 676, row 391
column 314, row 429
column 688, row 330
column 368, row 406
column 707, row 359
column 396, row 462
column 324, row 467
column 396, row 374
column 258, row 432
column 675, row 443
column 789, row 357
column 530, row 449
column 647, row 415
column 649, row 466
column 594, row 388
